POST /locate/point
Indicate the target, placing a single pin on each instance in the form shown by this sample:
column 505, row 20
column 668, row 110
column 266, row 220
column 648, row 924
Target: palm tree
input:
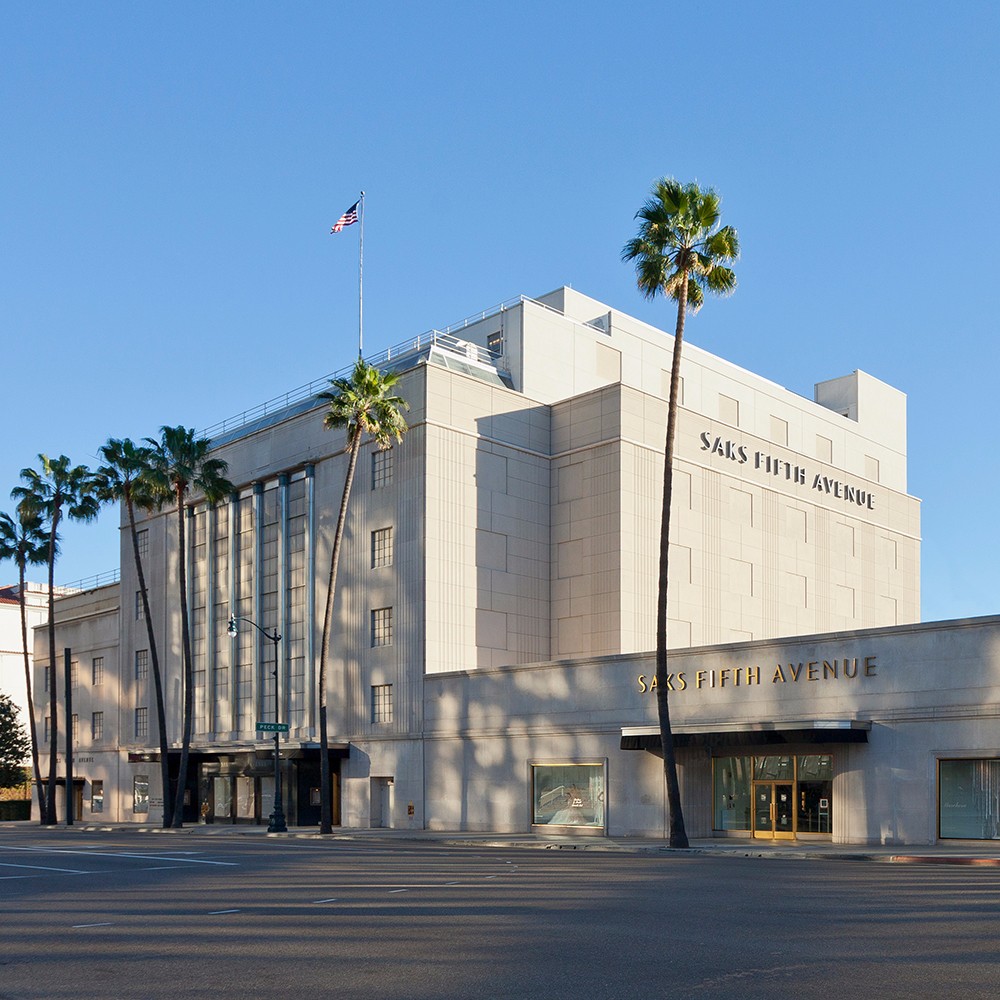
column 58, row 490
column 180, row 463
column 363, row 404
column 680, row 251
column 25, row 542
column 124, row 479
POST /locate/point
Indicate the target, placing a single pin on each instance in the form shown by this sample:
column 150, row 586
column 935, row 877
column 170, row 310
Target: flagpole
column 361, row 272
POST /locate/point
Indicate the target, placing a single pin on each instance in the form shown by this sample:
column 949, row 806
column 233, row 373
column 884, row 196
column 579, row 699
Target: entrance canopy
column 749, row 734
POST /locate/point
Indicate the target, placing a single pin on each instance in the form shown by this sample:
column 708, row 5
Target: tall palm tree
column 680, row 251
column 180, row 463
column 25, row 542
column 364, row 404
column 124, row 478
column 59, row 489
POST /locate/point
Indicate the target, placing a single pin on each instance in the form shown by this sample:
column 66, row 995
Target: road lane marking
column 47, row 868
column 161, row 868
column 453, row 883
column 103, row 923
column 114, row 854
column 331, row 900
column 396, row 890
column 215, row 913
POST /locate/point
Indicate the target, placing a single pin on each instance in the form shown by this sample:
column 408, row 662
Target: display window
column 568, row 794
column 969, row 799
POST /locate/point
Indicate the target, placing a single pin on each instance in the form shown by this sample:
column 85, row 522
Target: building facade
column 516, row 526
column 12, row 682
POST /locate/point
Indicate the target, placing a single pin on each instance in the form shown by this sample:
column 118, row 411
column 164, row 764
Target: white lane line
column 113, row 854
column 453, row 883
column 160, row 868
column 391, row 891
column 103, row 923
column 488, row 877
column 331, row 900
column 46, row 868
column 215, row 913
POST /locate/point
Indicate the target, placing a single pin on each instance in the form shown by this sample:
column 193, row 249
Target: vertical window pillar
column 234, row 708
column 258, row 573
column 282, row 665
column 309, row 705
column 210, row 689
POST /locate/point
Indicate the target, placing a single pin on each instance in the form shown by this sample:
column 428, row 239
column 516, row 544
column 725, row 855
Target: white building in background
column 11, row 653
column 496, row 598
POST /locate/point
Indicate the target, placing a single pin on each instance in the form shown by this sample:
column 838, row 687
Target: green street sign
column 272, row 727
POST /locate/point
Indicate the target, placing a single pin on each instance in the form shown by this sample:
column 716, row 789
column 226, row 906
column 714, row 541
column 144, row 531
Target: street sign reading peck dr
column 272, row 727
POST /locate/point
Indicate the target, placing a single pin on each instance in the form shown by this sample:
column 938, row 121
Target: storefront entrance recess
column 777, row 796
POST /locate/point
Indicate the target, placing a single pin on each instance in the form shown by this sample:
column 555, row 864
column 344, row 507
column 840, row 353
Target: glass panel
column 568, row 794
column 732, row 796
column 783, row 806
column 814, row 806
column 140, row 793
column 774, row 768
column 244, row 797
column 222, row 789
column 969, row 799
column 814, row 766
column 762, row 808
column 97, row 796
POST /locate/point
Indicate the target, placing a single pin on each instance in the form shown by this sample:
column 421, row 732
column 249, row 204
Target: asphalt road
column 127, row 915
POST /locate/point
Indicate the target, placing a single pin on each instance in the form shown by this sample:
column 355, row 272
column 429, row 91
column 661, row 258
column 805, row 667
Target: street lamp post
column 276, row 821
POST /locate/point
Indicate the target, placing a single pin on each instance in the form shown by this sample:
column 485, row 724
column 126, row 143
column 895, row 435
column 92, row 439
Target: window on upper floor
column 381, row 468
column 381, row 547
column 381, row 626
column 97, row 670
column 381, row 703
column 96, row 727
column 142, row 542
column 141, row 664
column 141, row 728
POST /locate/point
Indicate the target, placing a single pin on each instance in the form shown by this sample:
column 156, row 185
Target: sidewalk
column 984, row 854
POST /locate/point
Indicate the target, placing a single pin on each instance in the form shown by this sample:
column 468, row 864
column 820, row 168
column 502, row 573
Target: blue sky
column 170, row 173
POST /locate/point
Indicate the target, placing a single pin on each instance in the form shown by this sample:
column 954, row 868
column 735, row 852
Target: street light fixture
column 276, row 821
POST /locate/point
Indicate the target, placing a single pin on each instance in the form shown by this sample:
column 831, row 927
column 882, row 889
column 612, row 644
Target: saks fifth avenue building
column 496, row 600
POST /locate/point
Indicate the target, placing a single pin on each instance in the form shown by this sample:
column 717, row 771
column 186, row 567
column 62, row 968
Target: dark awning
column 751, row 734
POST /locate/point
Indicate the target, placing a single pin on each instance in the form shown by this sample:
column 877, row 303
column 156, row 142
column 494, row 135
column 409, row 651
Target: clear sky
column 169, row 174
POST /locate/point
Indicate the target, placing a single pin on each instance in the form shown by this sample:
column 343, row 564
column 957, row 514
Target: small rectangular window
column 139, row 613
column 494, row 342
column 381, row 703
column 142, row 542
column 48, row 728
column 382, row 626
column 381, row 468
column 140, row 793
column 729, row 410
column 97, row 671
column 381, row 547
column 141, row 723
column 97, row 796
column 96, row 727
column 75, row 727
column 141, row 664
column 74, row 674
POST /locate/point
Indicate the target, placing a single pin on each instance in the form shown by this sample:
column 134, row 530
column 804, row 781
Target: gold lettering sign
column 847, row 669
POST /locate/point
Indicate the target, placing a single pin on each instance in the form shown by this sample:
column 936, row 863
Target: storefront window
column 140, row 793
column 969, row 799
column 568, row 795
column 732, row 795
column 97, row 796
column 815, row 793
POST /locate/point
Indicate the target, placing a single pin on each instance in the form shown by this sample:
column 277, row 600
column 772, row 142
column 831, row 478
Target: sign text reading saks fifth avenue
column 784, row 673
column 793, row 473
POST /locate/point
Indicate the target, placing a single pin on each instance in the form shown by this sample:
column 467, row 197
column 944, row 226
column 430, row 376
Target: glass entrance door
column 774, row 810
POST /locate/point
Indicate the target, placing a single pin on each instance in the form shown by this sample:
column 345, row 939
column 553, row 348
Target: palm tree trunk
column 678, row 834
column 161, row 714
column 326, row 818
column 178, row 820
column 50, row 796
column 32, row 725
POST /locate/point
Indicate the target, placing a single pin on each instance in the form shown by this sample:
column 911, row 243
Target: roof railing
column 445, row 338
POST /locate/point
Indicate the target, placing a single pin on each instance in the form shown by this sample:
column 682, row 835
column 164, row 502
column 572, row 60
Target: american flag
column 347, row 219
